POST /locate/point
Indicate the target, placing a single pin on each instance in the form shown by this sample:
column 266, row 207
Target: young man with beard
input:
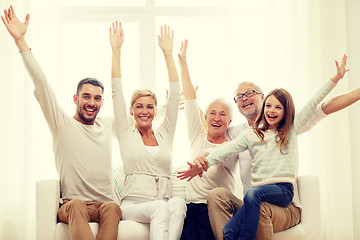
column 223, row 204
column 81, row 144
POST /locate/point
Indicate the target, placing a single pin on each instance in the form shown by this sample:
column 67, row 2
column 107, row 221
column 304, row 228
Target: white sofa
column 47, row 205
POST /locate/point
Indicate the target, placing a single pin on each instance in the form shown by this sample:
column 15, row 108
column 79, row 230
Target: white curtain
column 26, row 149
column 293, row 44
column 277, row 43
column 353, row 47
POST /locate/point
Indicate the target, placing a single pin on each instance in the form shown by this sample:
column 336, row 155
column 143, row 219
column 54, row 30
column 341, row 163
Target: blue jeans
column 197, row 224
column 244, row 224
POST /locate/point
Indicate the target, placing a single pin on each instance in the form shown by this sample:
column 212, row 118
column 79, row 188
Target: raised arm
column 120, row 116
column 188, row 88
column 340, row 69
column 54, row 115
column 166, row 43
column 306, row 115
column 189, row 91
column 340, row 102
column 116, row 41
column 16, row 28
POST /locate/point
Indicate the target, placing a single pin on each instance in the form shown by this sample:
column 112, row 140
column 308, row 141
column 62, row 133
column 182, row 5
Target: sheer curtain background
column 279, row 43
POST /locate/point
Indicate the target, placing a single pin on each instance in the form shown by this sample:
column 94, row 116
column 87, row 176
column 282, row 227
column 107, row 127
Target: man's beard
column 81, row 115
column 252, row 115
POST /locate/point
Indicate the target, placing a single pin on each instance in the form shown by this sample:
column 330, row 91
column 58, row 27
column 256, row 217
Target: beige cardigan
column 146, row 176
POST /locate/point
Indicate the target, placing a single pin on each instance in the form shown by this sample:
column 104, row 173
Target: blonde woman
column 146, row 152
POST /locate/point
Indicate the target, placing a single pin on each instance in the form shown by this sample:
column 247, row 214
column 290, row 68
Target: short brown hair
column 92, row 81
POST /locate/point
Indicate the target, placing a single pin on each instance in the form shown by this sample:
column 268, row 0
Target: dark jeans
column 244, row 224
column 196, row 224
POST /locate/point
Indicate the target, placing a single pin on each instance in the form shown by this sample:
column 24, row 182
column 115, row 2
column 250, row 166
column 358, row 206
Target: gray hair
column 223, row 101
column 257, row 88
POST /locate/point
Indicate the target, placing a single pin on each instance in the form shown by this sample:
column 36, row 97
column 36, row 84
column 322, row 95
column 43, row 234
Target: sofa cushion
column 178, row 186
column 119, row 178
column 295, row 233
column 128, row 230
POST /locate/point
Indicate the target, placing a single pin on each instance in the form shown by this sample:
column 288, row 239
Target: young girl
column 273, row 145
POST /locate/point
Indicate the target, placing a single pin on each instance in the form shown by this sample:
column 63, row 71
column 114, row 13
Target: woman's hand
column 190, row 173
column 182, row 53
column 16, row 28
column 166, row 39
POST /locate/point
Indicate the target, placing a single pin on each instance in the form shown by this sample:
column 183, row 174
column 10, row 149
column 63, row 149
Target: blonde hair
column 142, row 93
column 283, row 129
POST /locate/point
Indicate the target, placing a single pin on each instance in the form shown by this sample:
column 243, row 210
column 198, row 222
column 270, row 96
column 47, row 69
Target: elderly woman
column 218, row 116
column 146, row 152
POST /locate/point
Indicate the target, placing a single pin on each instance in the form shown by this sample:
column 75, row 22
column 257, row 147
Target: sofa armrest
column 47, row 206
column 309, row 193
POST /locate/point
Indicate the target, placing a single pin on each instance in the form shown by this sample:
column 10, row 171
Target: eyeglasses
column 247, row 94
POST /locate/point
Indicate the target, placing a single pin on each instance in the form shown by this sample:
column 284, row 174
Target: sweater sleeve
column 220, row 153
column 194, row 125
column 309, row 115
column 171, row 110
column 120, row 116
column 319, row 115
column 54, row 115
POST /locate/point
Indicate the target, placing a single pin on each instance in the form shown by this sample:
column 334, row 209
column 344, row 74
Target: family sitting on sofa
column 264, row 147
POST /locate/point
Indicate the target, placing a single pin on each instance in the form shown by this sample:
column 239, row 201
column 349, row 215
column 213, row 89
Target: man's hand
column 16, row 28
column 116, row 35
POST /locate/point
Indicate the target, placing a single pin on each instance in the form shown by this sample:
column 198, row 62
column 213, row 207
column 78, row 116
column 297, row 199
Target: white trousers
column 166, row 218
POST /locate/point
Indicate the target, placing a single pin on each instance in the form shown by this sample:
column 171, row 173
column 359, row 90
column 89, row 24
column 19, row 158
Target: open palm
column 182, row 53
column 16, row 28
column 166, row 39
column 341, row 69
column 116, row 35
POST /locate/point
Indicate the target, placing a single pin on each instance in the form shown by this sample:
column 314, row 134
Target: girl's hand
column 340, row 70
column 201, row 161
column 166, row 39
column 116, row 35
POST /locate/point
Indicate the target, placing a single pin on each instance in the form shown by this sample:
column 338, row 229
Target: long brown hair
column 283, row 129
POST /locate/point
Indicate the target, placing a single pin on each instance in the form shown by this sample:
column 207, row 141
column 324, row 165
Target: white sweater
column 146, row 176
column 82, row 152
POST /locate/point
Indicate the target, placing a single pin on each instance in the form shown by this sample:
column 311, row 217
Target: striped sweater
column 269, row 164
